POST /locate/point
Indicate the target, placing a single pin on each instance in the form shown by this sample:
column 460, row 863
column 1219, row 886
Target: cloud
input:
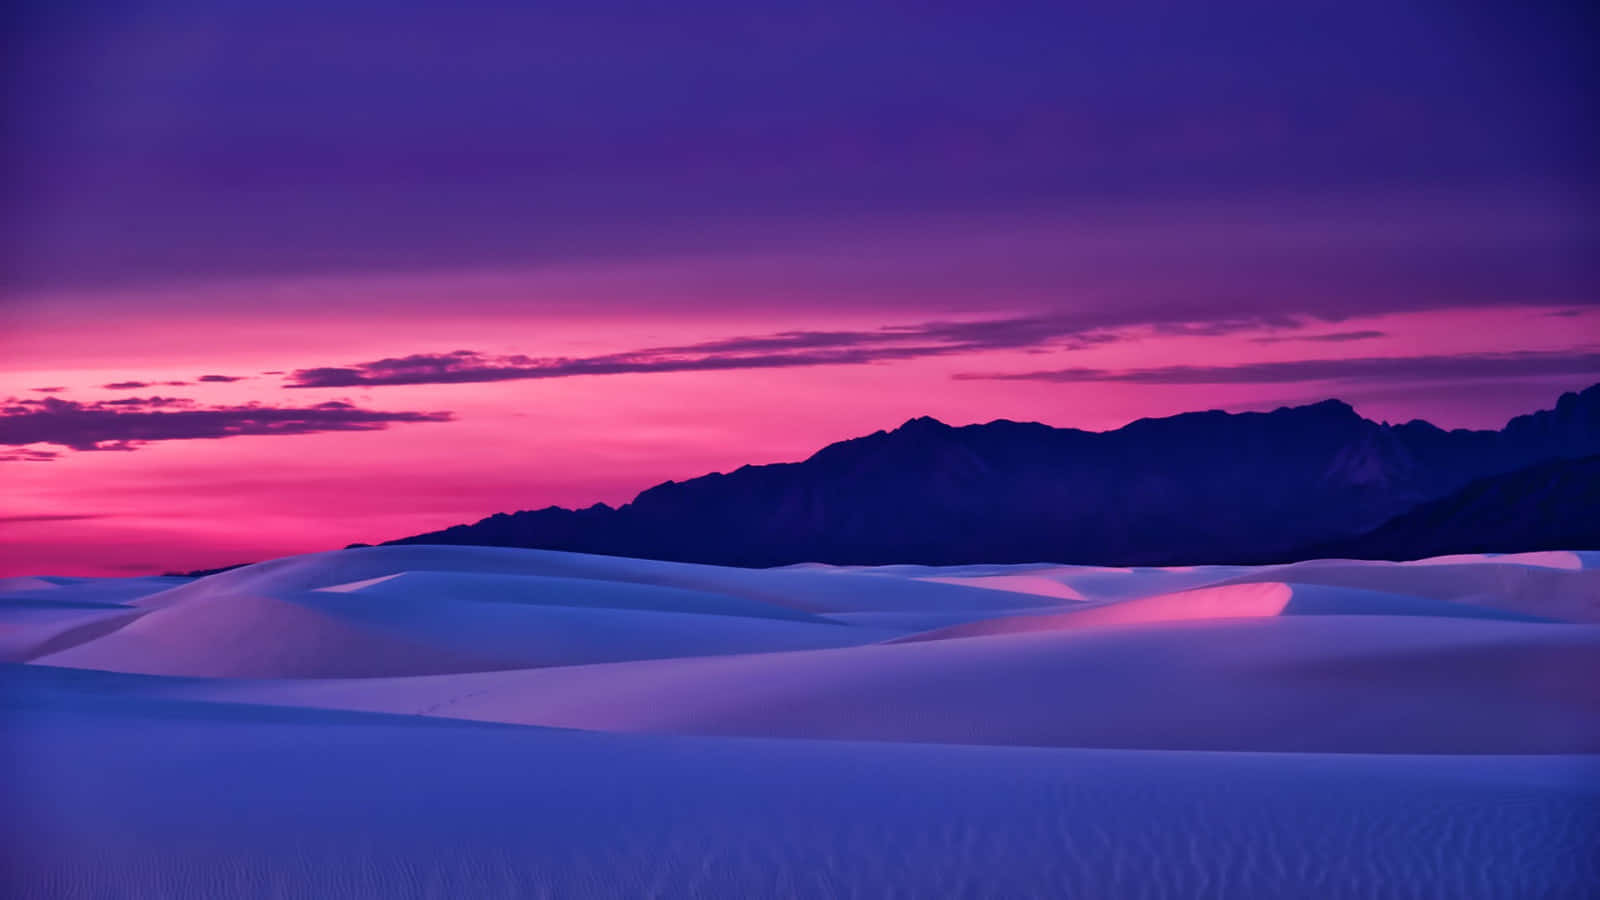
column 47, row 390
column 148, row 402
column 220, row 379
column 124, row 425
column 1335, row 337
column 140, row 385
column 1464, row 365
column 14, row 520
column 27, row 454
column 786, row 349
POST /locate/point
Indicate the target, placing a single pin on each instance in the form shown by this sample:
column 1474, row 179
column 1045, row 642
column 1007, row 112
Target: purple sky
column 471, row 259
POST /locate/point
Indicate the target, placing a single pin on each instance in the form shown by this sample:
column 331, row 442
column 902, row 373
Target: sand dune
column 1356, row 684
column 1550, row 559
column 33, row 630
column 131, row 797
column 1036, row 585
column 41, row 615
column 84, row 591
column 17, row 583
column 544, row 590
column 817, row 589
column 332, row 634
column 1554, row 593
column 1090, row 583
column 1230, row 602
column 489, row 722
column 1242, row 600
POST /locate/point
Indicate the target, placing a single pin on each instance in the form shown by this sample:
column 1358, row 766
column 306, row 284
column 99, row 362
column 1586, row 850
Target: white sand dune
column 127, row 796
column 909, row 623
column 1550, row 559
column 817, row 590
column 1035, row 585
column 41, row 615
column 1240, row 600
column 544, row 590
column 1571, row 595
column 332, row 634
column 367, row 723
column 85, row 591
column 28, row 631
column 1228, row 602
column 1066, row 582
column 18, row 583
column 1351, row 684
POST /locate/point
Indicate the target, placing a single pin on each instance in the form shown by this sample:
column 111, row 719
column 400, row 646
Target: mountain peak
column 923, row 424
column 1330, row 408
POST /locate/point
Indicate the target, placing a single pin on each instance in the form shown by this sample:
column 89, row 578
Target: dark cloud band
column 1464, row 365
column 787, row 349
column 130, row 423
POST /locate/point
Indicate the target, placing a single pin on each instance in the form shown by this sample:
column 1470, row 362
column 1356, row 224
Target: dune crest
column 1033, row 584
column 1227, row 602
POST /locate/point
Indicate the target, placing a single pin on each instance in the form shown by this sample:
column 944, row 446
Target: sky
column 276, row 278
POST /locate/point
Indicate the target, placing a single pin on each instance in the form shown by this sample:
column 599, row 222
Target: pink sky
column 572, row 441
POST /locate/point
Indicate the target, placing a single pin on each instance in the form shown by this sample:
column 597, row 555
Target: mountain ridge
column 1205, row 486
column 1547, row 506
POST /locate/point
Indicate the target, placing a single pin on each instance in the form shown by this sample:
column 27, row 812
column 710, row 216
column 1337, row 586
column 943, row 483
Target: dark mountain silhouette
column 1197, row 487
column 1549, row 506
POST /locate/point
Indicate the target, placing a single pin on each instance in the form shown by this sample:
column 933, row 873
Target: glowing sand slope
column 457, row 721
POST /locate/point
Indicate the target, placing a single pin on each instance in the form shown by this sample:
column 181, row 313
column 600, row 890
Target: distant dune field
column 467, row 721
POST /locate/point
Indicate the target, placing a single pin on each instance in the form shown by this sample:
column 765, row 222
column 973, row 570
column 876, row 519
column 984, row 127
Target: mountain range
column 1548, row 506
column 1192, row 488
